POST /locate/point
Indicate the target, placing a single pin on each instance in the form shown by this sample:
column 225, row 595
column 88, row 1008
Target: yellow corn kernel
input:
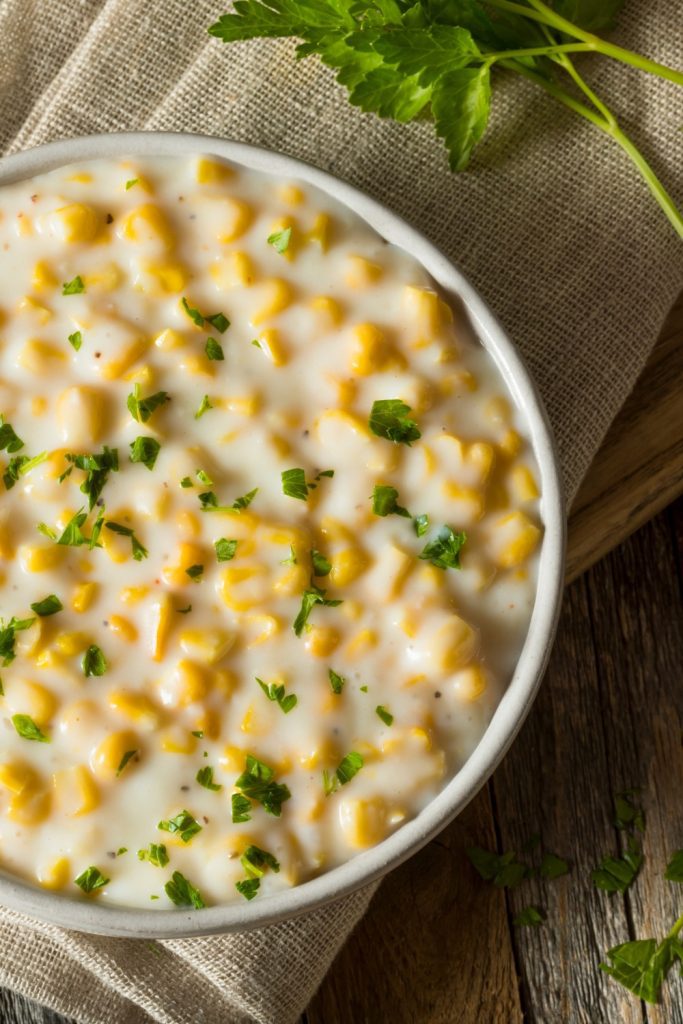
column 147, row 223
column 115, row 368
column 30, row 807
column 268, row 626
column 54, row 875
column 165, row 278
column 271, row 344
column 40, row 357
column 321, row 753
column 497, row 410
column 137, row 706
column 362, row 642
column 43, row 276
column 197, row 365
column 372, row 353
column 235, row 218
column 351, row 610
column 81, row 415
column 347, row 565
column 517, row 538
column 107, row 758
column 334, row 426
column 39, row 558
column 188, row 523
column 232, row 758
column 426, row 309
column 15, row 776
column 416, row 680
column 455, row 644
column 511, row 443
column 321, row 641
column 40, row 314
column 117, row 547
column 123, row 627
column 161, row 613
column 290, row 194
column 481, row 454
column 320, row 232
column 39, row 405
column 243, row 586
column 71, row 643
column 471, row 500
column 81, row 177
column 523, row 483
column 234, row 270
column 211, row 172
column 178, row 741
column 278, row 297
column 224, row 681
column 191, row 683
column 169, row 340
column 76, row 790
column 189, row 554
column 363, row 822
column 470, row 683
column 242, row 405
column 361, row 272
column 103, row 279
column 328, row 310
column 33, row 699
column 7, row 548
column 133, row 595
column 293, row 580
column 347, row 390
column 208, row 646
column 83, row 596
column 78, row 222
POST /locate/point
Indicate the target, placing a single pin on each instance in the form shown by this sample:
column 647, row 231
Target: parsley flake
column 48, row 606
column 76, row 340
column 256, row 782
column 181, row 892
column 20, row 465
column 248, row 887
column 94, row 662
column 142, row 408
column 421, row 524
column 504, row 870
column 674, row 869
column 336, row 681
column 124, row 761
column 276, row 693
column 294, row 484
column 214, row 351
column 182, row 825
column 217, row 320
column 349, row 766
column 97, row 468
column 255, row 861
column 530, row 916
column 145, row 450
column 205, row 778
column 139, row 552
column 240, row 806
column 225, row 549
column 309, row 600
column 195, row 571
column 280, row 240
column 131, row 182
column 156, row 854
column 385, row 715
column 9, row 441
column 321, row 565
column 444, row 550
column 204, row 406
column 385, row 502
column 28, row 730
column 74, row 287
column 389, row 419
column 8, row 632
column 91, row 879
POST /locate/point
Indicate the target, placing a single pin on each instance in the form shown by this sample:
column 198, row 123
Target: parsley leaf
column 421, row 524
column 48, row 606
column 255, row 861
column 553, row 866
column 73, row 535
column 256, row 782
column 204, row 407
column 124, row 761
column 444, row 550
column 349, row 766
column 336, row 681
column 74, row 287
column 20, row 465
column 9, row 441
column 384, row 714
column 674, row 869
column 182, row 825
column 145, row 450
column 240, row 807
column 615, row 874
column 225, row 549
column 142, row 408
column 205, row 778
column 139, row 552
column 321, row 565
column 195, row 572
column 94, row 662
column 131, row 182
column 280, row 240
column 97, row 468
column 310, row 599
column 156, row 854
column 385, row 503
column 389, row 419
column 642, row 966
column 294, row 484
column 76, row 340
column 213, row 350
column 181, row 892
column 8, row 637
column 529, row 916
column 276, row 693
column 504, row 870
column 217, row 320
column 28, row 730
column 248, row 887
column 91, row 879
column 626, row 814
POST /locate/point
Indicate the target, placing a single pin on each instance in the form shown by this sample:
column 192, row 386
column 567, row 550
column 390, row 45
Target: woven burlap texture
column 552, row 226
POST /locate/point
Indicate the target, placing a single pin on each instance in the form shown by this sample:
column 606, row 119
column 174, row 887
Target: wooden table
column 438, row 945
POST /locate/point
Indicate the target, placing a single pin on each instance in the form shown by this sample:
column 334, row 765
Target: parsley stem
column 537, row 51
column 676, row 928
column 565, row 62
column 612, row 129
column 546, row 16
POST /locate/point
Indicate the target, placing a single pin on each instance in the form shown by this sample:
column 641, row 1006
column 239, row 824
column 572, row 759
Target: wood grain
column 639, row 467
column 14, row 1009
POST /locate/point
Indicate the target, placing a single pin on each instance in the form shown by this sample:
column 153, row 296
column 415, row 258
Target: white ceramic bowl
column 90, row 916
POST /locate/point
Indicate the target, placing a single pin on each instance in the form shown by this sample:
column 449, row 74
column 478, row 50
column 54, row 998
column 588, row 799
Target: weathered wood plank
column 556, row 783
column 434, row 947
column 636, row 604
column 639, row 467
column 14, row 1009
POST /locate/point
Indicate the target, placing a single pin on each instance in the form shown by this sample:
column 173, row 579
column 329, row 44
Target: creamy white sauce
column 294, row 400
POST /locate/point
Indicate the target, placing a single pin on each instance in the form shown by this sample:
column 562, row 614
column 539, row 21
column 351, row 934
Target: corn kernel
column 163, row 278
column 191, row 682
column 234, row 270
column 123, row 627
column 322, row 641
column 361, row 273
column 40, row 558
column 363, row 822
column 40, row 314
column 133, row 595
column 516, row 538
column 320, row 232
column 81, row 415
column 511, row 443
column 328, row 310
column 207, row 645
column 55, row 875
column 470, row 683
column 347, row 565
column 189, row 554
column 161, row 613
column 76, row 791
column 43, row 276
column 137, row 706
column 211, row 172
column 77, row 222
column 523, row 484
column 178, row 741
column 129, row 354
column 372, row 353
column 290, row 194
column 40, row 357
column 278, row 297
column 147, row 223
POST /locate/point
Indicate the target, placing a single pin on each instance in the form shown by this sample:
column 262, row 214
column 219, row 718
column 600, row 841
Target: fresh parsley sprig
column 404, row 59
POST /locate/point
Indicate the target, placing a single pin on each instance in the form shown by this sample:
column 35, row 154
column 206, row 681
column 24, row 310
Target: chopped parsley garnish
column 195, row 571
column 186, row 482
column 20, row 465
column 76, row 340
column 504, row 870
column 199, row 733
column 421, row 524
column 145, row 450
column 73, row 287
column 255, row 861
column 292, row 557
column 321, row 565
column 91, row 879
column 217, row 320
column 47, row 531
column 256, row 782
column 204, row 406
column 204, row 478
column 336, row 681
column 73, row 535
column 181, row 892
column 385, row 715
column 276, row 693
column 240, row 808
column 213, row 350
column 28, row 730
column 530, row 916
column 142, row 408
column 124, row 761
column 156, row 854
column 256, row 343
column 248, row 887
column 205, row 778
column 97, row 467
column 209, row 502
column 139, row 552
column 385, row 503
column 553, row 866
column 349, row 766
column 131, row 182
column 444, row 550
column 294, row 484
column 280, row 240
column 94, row 662
column 8, row 632
column 182, row 825
column 363, row 689
column 626, row 814
column 48, row 606
column 9, row 441
column 615, row 874
column 121, row 850
column 310, row 599
column 642, row 966
column 225, row 549
column 674, row 869
column 389, row 419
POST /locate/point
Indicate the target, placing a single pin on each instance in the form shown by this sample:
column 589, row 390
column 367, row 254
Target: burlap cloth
column 551, row 224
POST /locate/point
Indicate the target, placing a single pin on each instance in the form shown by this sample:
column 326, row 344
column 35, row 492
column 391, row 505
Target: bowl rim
column 367, row 867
